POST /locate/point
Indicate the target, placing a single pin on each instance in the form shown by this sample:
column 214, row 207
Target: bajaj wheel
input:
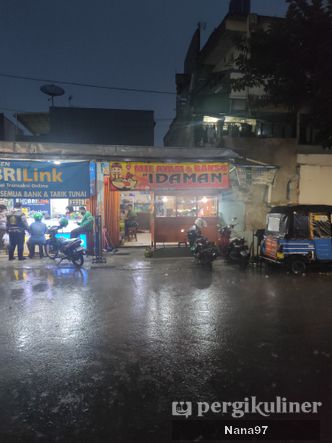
column 52, row 251
column 297, row 265
column 78, row 260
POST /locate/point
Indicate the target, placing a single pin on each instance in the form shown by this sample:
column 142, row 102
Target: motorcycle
column 65, row 249
column 204, row 251
column 235, row 249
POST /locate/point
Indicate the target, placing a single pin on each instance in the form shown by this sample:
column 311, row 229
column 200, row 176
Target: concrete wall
column 259, row 199
column 315, row 183
column 8, row 130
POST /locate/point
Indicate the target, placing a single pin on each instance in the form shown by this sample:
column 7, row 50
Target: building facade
column 89, row 125
column 209, row 113
column 208, row 108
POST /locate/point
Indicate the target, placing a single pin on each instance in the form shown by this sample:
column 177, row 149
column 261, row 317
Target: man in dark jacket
column 16, row 226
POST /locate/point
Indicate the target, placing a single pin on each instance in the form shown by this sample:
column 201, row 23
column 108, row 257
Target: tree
column 292, row 61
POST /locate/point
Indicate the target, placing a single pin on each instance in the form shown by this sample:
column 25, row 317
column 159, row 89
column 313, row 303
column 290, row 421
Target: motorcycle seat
column 69, row 241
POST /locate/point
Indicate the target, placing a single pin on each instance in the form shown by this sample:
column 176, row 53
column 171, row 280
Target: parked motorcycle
column 235, row 249
column 65, row 249
column 204, row 251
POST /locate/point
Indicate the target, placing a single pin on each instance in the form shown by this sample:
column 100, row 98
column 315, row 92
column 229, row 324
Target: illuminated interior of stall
column 176, row 211
column 53, row 210
column 186, row 206
column 141, row 202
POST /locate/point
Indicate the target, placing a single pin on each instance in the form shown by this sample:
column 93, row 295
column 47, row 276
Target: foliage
column 292, row 60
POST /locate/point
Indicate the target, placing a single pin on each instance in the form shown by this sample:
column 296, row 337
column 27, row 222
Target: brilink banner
column 40, row 180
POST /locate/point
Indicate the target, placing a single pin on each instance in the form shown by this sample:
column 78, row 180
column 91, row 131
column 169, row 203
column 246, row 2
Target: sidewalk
column 35, row 263
column 124, row 257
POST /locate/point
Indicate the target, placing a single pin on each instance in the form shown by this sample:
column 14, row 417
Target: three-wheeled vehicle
column 298, row 236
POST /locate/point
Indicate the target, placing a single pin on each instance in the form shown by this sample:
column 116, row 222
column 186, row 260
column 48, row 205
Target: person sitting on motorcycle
column 85, row 225
column 63, row 223
column 37, row 232
column 195, row 231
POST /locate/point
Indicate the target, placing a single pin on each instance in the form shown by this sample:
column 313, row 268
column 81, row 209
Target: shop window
column 207, row 207
column 321, row 225
column 165, row 206
column 186, row 206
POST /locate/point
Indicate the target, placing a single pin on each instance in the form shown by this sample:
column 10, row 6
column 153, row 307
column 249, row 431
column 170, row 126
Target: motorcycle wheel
column 206, row 261
column 52, row 251
column 233, row 257
column 78, row 261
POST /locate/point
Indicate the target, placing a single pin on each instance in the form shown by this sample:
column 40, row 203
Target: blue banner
column 44, row 180
column 37, row 205
column 93, row 178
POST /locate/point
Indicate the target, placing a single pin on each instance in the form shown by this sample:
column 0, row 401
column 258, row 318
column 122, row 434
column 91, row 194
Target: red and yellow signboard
column 128, row 176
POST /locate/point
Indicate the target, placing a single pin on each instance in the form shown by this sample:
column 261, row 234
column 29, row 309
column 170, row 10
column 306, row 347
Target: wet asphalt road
column 99, row 355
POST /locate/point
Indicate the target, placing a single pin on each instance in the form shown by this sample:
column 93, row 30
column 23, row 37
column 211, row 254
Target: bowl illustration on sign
column 119, row 180
column 124, row 184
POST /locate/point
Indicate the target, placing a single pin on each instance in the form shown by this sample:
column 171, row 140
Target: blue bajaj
column 298, row 236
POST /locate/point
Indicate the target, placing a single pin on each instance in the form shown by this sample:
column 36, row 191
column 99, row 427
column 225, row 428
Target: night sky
column 123, row 43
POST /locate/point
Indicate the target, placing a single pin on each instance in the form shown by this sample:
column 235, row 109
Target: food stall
column 175, row 212
column 180, row 192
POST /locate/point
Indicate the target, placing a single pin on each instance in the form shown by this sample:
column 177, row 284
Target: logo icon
column 182, row 408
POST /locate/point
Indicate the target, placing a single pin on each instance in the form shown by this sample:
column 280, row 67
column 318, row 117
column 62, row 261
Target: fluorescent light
column 208, row 119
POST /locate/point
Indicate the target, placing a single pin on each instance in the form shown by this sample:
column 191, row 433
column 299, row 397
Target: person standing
column 3, row 219
column 37, row 232
column 16, row 226
column 85, row 225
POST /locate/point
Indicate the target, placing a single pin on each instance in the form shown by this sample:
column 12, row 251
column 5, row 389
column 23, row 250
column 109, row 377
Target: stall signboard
column 44, row 180
column 128, row 176
column 93, row 178
column 37, row 205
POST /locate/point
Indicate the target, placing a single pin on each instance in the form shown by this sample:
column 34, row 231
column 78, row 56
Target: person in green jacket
column 85, row 225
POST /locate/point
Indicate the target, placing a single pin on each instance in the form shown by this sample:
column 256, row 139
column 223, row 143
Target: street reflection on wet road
column 100, row 354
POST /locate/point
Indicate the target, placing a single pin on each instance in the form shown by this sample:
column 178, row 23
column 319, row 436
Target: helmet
column 200, row 223
column 63, row 222
column 38, row 216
